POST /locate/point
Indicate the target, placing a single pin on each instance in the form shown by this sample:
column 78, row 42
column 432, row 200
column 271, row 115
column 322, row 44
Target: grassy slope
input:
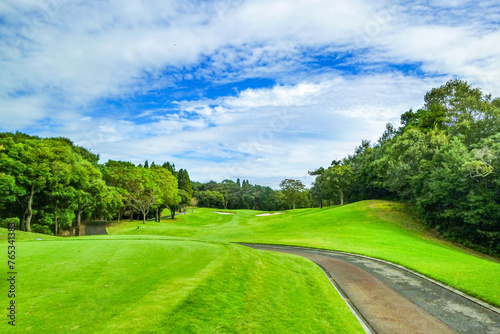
column 374, row 228
column 116, row 284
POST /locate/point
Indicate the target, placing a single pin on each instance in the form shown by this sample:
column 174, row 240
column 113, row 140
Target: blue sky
column 258, row 90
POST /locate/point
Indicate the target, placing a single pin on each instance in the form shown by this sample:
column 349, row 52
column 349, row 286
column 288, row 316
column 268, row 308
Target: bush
column 43, row 229
column 5, row 222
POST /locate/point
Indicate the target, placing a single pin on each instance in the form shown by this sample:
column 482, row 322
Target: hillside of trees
column 444, row 160
column 49, row 183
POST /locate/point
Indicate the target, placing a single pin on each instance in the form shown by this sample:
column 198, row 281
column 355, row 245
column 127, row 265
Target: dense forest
column 49, row 183
column 444, row 160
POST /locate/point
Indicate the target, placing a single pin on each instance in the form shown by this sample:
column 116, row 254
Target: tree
column 35, row 164
column 184, row 182
column 227, row 189
column 317, row 190
column 291, row 189
column 169, row 194
column 90, row 191
column 143, row 190
column 444, row 161
column 170, row 167
column 119, row 174
column 209, row 198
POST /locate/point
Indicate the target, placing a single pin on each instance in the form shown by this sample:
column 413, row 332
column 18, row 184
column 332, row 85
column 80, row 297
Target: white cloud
column 58, row 58
column 263, row 134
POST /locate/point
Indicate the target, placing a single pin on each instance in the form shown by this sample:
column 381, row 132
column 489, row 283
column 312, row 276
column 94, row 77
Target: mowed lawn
column 144, row 284
column 376, row 228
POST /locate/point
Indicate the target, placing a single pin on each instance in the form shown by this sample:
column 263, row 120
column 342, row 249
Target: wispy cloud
column 135, row 80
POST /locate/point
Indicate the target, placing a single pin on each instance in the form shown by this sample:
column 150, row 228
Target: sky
column 261, row 90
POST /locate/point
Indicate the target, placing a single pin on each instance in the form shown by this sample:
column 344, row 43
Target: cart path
column 393, row 300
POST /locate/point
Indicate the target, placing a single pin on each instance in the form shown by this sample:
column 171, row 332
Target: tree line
column 444, row 160
column 49, row 183
column 238, row 194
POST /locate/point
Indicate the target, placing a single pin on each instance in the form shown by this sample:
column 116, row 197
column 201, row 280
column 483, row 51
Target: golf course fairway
column 145, row 284
column 380, row 229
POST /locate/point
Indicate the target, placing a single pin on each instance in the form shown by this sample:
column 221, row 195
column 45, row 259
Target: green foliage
column 45, row 179
column 291, row 190
column 5, row 223
column 444, row 160
column 42, row 229
column 142, row 188
column 231, row 195
column 210, row 199
column 333, row 182
column 184, row 182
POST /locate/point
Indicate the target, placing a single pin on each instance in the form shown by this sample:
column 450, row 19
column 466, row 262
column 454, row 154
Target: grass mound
column 375, row 228
column 136, row 284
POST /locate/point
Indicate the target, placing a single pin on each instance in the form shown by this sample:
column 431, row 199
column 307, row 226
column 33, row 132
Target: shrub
column 43, row 229
column 5, row 222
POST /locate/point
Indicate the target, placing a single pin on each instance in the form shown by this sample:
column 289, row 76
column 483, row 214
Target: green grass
column 376, row 228
column 154, row 284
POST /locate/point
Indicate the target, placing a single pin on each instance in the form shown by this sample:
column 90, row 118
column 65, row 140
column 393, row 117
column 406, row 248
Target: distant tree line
column 49, row 183
column 238, row 194
column 444, row 160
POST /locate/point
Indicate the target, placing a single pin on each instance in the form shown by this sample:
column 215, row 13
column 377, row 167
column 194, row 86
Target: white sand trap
column 268, row 214
column 224, row 213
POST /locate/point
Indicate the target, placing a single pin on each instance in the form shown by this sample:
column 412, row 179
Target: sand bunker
column 268, row 214
column 224, row 213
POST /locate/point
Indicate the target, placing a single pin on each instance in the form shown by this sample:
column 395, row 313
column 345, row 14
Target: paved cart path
column 390, row 299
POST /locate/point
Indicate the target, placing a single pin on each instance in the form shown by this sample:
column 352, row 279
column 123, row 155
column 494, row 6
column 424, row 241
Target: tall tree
column 143, row 190
column 169, row 193
column 291, row 189
column 184, row 182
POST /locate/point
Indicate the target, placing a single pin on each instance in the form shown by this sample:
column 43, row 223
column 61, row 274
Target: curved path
column 388, row 298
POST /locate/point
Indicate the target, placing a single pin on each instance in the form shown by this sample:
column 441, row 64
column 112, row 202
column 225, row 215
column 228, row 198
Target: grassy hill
column 151, row 284
column 183, row 276
column 376, row 228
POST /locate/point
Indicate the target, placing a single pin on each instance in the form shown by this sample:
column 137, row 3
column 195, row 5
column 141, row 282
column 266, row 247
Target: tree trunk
column 78, row 222
column 119, row 215
column 172, row 213
column 56, row 222
column 341, row 197
column 293, row 205
column 30, row 210
column 22, row 213
column 144, row 217
column 132, row 215
column 22, row 219
column 157, row 215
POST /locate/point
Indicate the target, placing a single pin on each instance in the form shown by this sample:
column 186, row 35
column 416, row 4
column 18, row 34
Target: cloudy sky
column 261, row 89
